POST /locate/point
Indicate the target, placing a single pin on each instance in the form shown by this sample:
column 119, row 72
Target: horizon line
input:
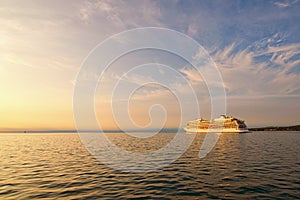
column 86, row 130
column 112, row 130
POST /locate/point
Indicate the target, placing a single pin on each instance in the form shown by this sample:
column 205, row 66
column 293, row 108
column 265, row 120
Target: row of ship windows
column 226, row 126
column 196, row 124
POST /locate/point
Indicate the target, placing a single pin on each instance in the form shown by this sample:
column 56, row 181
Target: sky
column 254, row 44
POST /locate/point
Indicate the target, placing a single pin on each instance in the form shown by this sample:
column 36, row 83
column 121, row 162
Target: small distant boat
column 224, row 124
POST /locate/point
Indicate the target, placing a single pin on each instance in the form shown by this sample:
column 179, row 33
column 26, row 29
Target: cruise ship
column 224, row 124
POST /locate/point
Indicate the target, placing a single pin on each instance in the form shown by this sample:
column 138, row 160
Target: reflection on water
column 241, row 166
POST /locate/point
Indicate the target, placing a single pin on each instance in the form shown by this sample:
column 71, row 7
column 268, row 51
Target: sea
column 255, row 165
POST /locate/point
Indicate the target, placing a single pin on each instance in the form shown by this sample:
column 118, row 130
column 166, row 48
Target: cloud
column 281, row 4
column 91, row 8
column 136, row 79
column 245, row 75
column 192, row 30
column 285, row 4
column 120, row 14
column 192, row 75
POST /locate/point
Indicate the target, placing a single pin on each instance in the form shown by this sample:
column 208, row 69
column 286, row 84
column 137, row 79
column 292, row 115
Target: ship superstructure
column 224, row 124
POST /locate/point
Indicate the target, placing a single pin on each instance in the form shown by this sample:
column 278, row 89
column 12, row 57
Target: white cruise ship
column 224, row 124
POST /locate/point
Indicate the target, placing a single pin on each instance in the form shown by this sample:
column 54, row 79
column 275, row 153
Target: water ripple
column 241, row 166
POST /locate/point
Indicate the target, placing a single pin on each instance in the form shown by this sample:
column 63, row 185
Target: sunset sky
column 255, row 45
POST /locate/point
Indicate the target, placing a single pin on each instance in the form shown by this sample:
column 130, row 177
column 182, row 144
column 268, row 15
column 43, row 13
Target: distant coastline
column 277, row 128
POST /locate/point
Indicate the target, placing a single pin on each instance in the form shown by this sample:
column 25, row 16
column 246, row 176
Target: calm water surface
column 257, row 165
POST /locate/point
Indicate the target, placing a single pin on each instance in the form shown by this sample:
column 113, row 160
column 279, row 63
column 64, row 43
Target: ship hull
column 195, row 130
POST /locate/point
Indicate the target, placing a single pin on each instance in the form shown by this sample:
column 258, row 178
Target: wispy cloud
column 251, row 72
column 120, row 14
column 284, row 4
column 281, row 4
column 192, row 75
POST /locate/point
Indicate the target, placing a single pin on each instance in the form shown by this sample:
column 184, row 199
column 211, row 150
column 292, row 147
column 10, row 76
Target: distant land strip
column 277, row 128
